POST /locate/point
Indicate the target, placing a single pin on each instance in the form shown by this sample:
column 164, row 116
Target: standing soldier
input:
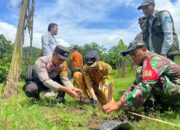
column 48, row 40
column 50, row 73
column 156, row 77
column 142, row 22
column 142, row 25
column 160, row 35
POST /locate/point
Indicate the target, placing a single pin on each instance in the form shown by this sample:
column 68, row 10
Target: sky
column 83, row 21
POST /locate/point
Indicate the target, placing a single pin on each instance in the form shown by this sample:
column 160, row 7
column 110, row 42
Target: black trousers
column 34, row 87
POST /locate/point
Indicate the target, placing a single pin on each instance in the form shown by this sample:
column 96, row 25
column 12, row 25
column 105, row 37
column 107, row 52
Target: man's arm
column 90, row 88
column 110, row 92
column 167, row 26
column 45, row 45
column 89, row 84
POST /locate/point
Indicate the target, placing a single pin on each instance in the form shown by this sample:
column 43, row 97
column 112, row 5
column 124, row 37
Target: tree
column 5, row 46
column 5, row 56
column 92, row 46
column 36, row 53
column 117, row 60
column 112, row 57
column 11, row 85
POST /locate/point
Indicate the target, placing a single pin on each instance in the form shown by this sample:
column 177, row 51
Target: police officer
column 51, row 73
column 159, row 35
column 156, row 77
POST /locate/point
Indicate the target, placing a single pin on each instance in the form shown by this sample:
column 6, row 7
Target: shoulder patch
column 148, row 72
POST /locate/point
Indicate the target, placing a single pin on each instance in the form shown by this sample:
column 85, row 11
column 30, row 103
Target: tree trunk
column 30, row 28
column 11, row 85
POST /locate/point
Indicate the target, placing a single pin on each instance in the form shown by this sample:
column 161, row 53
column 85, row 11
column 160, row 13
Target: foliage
column 4, row 68
column 111, row 56
column 115, row 52
column 5, row 47
column 92, row 46
column 5, row 56
column 36, row 53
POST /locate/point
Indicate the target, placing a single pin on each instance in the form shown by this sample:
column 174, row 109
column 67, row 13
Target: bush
column 4, row 68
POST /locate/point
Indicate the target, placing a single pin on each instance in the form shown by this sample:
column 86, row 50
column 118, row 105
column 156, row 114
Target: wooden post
column 11, row 85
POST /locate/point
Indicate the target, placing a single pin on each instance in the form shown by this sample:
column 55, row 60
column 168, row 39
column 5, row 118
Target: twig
column 153, row 119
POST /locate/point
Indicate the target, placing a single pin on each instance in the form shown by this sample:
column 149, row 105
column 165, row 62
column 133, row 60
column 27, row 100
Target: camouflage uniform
column 158, row 77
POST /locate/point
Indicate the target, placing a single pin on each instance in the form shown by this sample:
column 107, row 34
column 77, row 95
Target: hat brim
column 127, row 52
column 130, row 50
column 140, row 7
column 62, row 57
column 93, row 65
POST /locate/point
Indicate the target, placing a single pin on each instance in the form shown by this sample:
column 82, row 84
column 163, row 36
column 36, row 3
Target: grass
column 21, row 113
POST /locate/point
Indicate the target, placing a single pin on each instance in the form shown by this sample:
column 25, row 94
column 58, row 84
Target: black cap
column 62, row 52
column 91, row 57
column 146, row 2
column 133, row 46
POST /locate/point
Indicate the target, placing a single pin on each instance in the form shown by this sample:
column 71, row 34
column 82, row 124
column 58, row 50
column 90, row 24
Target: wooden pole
column 11, row 85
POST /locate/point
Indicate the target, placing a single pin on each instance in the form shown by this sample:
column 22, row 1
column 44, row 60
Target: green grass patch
column 21, row 113
column 177, row 60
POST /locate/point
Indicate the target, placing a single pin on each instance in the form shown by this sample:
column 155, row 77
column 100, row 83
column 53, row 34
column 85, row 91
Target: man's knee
column 31, row 90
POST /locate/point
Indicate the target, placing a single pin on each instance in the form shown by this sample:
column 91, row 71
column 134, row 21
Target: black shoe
column 61, row 100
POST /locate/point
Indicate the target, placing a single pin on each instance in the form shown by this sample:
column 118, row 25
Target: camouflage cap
column 133, row 46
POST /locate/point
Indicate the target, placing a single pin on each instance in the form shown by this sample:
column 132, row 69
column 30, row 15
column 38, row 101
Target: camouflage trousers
column 165, row 93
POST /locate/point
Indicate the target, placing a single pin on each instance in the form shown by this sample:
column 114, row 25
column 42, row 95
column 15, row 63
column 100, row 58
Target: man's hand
column 109, row 107
column 74, row 92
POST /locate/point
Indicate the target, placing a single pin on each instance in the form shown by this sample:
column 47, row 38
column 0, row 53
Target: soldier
column 50, row 73
column 157, row 77
column 98, row 81
column 159, row 35
column 142, row 22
